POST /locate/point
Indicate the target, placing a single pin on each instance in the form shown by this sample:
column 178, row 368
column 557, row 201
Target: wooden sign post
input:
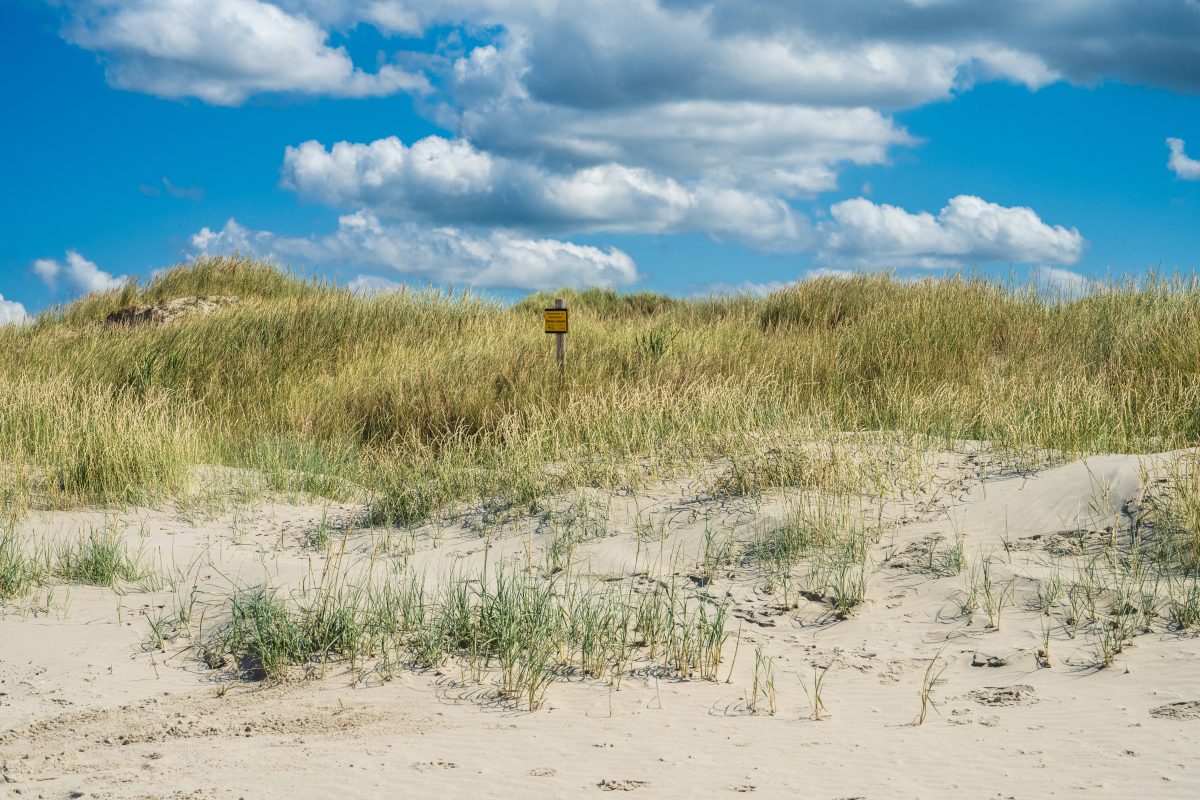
column 555, row 321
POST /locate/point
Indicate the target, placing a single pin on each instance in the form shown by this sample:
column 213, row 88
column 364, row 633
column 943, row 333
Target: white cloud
column 183, row 192
column 223, row 51
column 642, row 116
column 876, row 53
column 966, row 231
column 77, row 273
column 1030, row 41
column 829, row 272
column 1184, row 167
column 443, row 181
column 762, row 289
column 233, row 238
column 790, row 150
column 173, row 189
column 499, row 259
column 12, row 312
column 726, row 289
column 373, row 284
column 1058, row 283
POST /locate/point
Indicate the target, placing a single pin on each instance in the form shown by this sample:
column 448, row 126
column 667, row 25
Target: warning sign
column 555, row 320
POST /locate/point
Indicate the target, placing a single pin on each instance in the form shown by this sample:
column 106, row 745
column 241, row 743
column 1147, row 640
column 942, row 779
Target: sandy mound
column 162, row 313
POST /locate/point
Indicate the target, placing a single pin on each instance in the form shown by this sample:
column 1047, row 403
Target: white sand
column 85, row 709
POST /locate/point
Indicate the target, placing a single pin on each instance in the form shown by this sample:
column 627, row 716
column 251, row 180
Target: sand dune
column 90, row 707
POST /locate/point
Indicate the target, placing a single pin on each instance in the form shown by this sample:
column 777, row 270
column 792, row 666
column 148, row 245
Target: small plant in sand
column 834, row 540
column 842, row 574
column 1110, row 641
column 582, row 520
column 20, row 572
column 320, row 537
column 761, row 699
column 100, row 558
column 995, row 596
column 1042, row 656
column 967, row 598
column 1183, row 603
column 1050, row 592
column 813, row 691
column 929, row 681
column 949, row 561
column 717, row 554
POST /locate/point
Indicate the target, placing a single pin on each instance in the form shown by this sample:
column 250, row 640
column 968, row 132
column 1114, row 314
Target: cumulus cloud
column 877, row 53
column 444, row 181
column 626, row 116
column 1155, row 43
column 788, row 150
column 233, row 238
column 77, row 273
column 968, row 230
column 595, row 53
column 1059, row 283
column 12, row 312
column 1184, row 167
column 222, row 51
column 498, row 259
column 640, row 116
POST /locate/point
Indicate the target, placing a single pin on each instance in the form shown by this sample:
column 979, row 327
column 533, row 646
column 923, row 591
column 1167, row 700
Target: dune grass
column 521, row 629
column 422, row 399
column 97, row 557
column 419, row 401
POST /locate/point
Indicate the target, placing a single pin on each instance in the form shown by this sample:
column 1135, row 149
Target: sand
column 86, row 710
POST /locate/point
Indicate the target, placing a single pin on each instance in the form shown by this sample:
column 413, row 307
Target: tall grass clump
column 99, row 558
column 518, row 631
column 833, row 540
column 19, row 570
column 73, row 443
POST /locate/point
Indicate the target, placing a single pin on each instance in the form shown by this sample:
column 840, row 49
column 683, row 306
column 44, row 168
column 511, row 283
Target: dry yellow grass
column 427, row 398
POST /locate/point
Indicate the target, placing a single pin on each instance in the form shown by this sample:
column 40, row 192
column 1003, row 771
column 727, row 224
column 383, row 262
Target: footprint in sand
column 1187, row 709
column 1017, row 695
column 607, row 785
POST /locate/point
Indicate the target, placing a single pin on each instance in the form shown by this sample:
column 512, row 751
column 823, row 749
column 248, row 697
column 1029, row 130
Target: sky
column 508, row 146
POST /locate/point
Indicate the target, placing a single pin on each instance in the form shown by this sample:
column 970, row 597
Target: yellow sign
column 555, row 320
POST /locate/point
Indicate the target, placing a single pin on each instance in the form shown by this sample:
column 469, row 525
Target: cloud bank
column 445, row 181
column 76, row 273
column 445, row 255
column 222, row 51
column 649, row 117
column 968, row 230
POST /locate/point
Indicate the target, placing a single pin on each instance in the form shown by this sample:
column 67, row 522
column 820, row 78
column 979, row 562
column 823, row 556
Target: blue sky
column 665, row 144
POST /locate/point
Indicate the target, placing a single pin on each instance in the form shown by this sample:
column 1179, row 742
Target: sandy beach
column 91, row 705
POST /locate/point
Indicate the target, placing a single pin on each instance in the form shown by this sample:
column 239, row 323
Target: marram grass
column 422, row 399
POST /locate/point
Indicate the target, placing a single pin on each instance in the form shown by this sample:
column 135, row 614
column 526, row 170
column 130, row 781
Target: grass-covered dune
column 422, row 399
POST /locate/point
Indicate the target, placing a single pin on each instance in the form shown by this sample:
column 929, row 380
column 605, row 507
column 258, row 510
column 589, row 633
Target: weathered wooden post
column 555, row 321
